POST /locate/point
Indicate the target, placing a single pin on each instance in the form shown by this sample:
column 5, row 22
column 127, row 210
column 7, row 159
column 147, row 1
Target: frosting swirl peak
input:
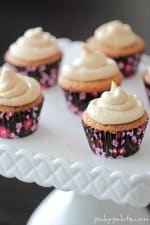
column 35, row 44
column 17, row 90
column 90, row 66
column 115, row 107
column 90, row 58
column 116, row 34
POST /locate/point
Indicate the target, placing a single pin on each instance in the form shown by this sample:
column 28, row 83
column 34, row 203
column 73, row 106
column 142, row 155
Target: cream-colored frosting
column 17, row 90
column 115, row 107
column 90, row 66
column 116, row 34
column 35, row 44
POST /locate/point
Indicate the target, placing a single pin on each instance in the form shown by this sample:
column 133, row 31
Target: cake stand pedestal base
column 67, row 208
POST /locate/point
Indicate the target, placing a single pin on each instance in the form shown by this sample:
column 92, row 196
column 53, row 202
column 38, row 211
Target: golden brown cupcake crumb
column 137, row 47
column 118, row 127
column 23, row 107
column 20, row 62
column 89, row 86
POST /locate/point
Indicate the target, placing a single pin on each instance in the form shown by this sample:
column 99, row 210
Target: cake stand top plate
column 58, row 153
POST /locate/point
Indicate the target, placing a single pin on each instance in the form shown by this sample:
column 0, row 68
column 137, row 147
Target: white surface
column 58, row 153
column 62, row 208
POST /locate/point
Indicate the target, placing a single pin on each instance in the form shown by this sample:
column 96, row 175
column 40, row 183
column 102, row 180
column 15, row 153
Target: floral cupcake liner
column 21, row 123
column 114, row 144
column 78, row 101
column 147, row 87
column 128, row 64
column 46, row 75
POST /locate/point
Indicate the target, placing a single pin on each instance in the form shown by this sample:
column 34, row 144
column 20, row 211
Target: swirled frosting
column 116, row 34
column 115, row 107
column 35, row 44
column 17, row 90
column 90, row 66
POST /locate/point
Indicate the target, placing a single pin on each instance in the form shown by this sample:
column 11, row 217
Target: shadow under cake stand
column 58, row 155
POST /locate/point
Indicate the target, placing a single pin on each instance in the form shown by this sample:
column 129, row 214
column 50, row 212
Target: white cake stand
column 66, row 208
column 58, row 153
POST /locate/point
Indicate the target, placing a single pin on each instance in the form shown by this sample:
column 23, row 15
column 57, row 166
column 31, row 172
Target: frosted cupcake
column 87, row 77
column 36, row 54
column 118, row 41
column 146, row 79
column 115, row 123
column 21, row 101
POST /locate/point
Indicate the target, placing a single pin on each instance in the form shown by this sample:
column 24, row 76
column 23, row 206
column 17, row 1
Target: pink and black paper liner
column 128, row 64
column 78, row 101
column 21, row 123
column 114, row 144
column 46, row 75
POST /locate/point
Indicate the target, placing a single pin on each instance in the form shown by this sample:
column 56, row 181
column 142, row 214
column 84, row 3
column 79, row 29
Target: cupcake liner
column 21, row 123
column 46, row 74
column 147, row 87
column 114, row 144
column 128, row 64
column 78, row 101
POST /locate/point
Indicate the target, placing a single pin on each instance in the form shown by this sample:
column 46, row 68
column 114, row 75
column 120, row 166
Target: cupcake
column 35, row 54
column 87, row 77
column 118, row 41
column 146, row 79
column 21, row 101
column 115, row 123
